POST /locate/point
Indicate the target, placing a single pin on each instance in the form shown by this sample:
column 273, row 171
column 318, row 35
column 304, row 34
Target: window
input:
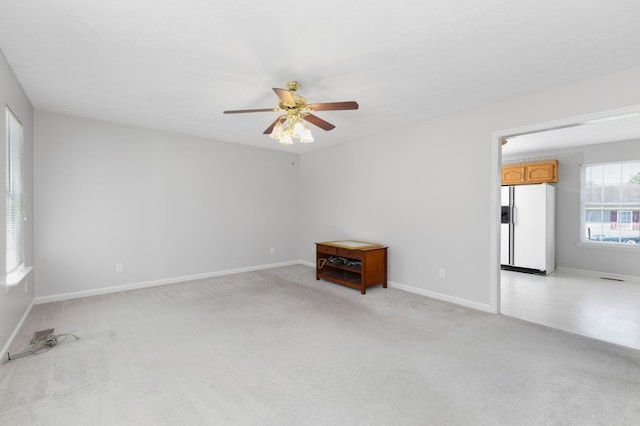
column 14, row 194
column 611, row 202
column 625, row 220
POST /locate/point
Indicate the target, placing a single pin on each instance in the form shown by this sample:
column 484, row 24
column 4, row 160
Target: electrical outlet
column 272, row 250
column 441, row 273
column 119, row 267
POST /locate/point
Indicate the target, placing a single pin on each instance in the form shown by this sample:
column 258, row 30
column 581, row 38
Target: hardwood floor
column 594, row 307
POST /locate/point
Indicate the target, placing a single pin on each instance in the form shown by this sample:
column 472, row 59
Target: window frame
column 613, row 209
column 625, row 225
column 15, row 266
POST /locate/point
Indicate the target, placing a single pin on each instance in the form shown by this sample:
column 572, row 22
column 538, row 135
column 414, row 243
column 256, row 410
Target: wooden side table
column 355, row 264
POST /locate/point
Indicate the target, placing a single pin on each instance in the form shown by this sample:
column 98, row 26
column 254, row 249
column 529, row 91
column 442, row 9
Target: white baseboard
column 597, row 274
column 431, row 294
column 134, row 286
column 305, row 263
column 444, row 297
column 5, row 348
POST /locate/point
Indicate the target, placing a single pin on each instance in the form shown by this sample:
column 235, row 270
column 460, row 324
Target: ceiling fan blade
column 314, row 119
column 240, row 111
column 285, row 97
column 333, row 106
column 270, row 128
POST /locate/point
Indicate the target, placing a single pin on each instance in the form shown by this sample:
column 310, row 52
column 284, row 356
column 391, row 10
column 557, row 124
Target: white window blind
column 14, row 194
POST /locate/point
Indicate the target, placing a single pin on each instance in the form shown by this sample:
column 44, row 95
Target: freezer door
column 529, row 226
column 504, row 195
column 505, row 219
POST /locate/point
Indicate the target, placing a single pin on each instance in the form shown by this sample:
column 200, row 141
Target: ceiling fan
column 295, row 112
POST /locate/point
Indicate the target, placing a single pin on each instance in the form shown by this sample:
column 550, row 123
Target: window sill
column 609, row 246
column 17, row 276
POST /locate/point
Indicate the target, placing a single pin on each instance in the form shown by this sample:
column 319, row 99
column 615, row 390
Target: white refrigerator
column 528, row 228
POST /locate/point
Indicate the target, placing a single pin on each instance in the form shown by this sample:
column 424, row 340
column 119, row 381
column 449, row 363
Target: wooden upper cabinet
column 513, row 175
column 519, row 174
column 543, row 172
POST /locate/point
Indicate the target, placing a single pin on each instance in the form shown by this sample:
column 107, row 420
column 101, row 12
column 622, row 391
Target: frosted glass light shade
column 286, row 140
column 306, row 136
column 276, row 133
column 298, row 129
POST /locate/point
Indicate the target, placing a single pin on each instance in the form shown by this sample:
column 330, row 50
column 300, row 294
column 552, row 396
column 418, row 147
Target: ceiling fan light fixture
column 306, row 136
column 295, row 113
column 292, row 127
column 286, row 140
column 277, row 131
column 298, row 128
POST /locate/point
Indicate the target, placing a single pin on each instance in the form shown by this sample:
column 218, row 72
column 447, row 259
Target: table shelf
column 372, row 269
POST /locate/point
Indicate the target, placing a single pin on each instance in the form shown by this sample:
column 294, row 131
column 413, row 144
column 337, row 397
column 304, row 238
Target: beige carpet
column 278, row 347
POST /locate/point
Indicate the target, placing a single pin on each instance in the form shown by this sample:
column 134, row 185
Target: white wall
column 568, row 253
column 168, row 206
column 430, row 191
column 14, row 301
column 164, row 205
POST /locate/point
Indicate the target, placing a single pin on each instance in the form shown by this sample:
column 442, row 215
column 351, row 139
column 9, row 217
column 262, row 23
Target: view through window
column 611, row 202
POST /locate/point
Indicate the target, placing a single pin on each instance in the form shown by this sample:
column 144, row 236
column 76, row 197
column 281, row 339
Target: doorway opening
column 570, row 298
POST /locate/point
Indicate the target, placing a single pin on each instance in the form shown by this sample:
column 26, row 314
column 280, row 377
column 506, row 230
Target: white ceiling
column 176, row 65
column 610, row 129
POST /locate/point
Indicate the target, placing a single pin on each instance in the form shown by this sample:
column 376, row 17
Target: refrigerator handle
column 514, row 215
